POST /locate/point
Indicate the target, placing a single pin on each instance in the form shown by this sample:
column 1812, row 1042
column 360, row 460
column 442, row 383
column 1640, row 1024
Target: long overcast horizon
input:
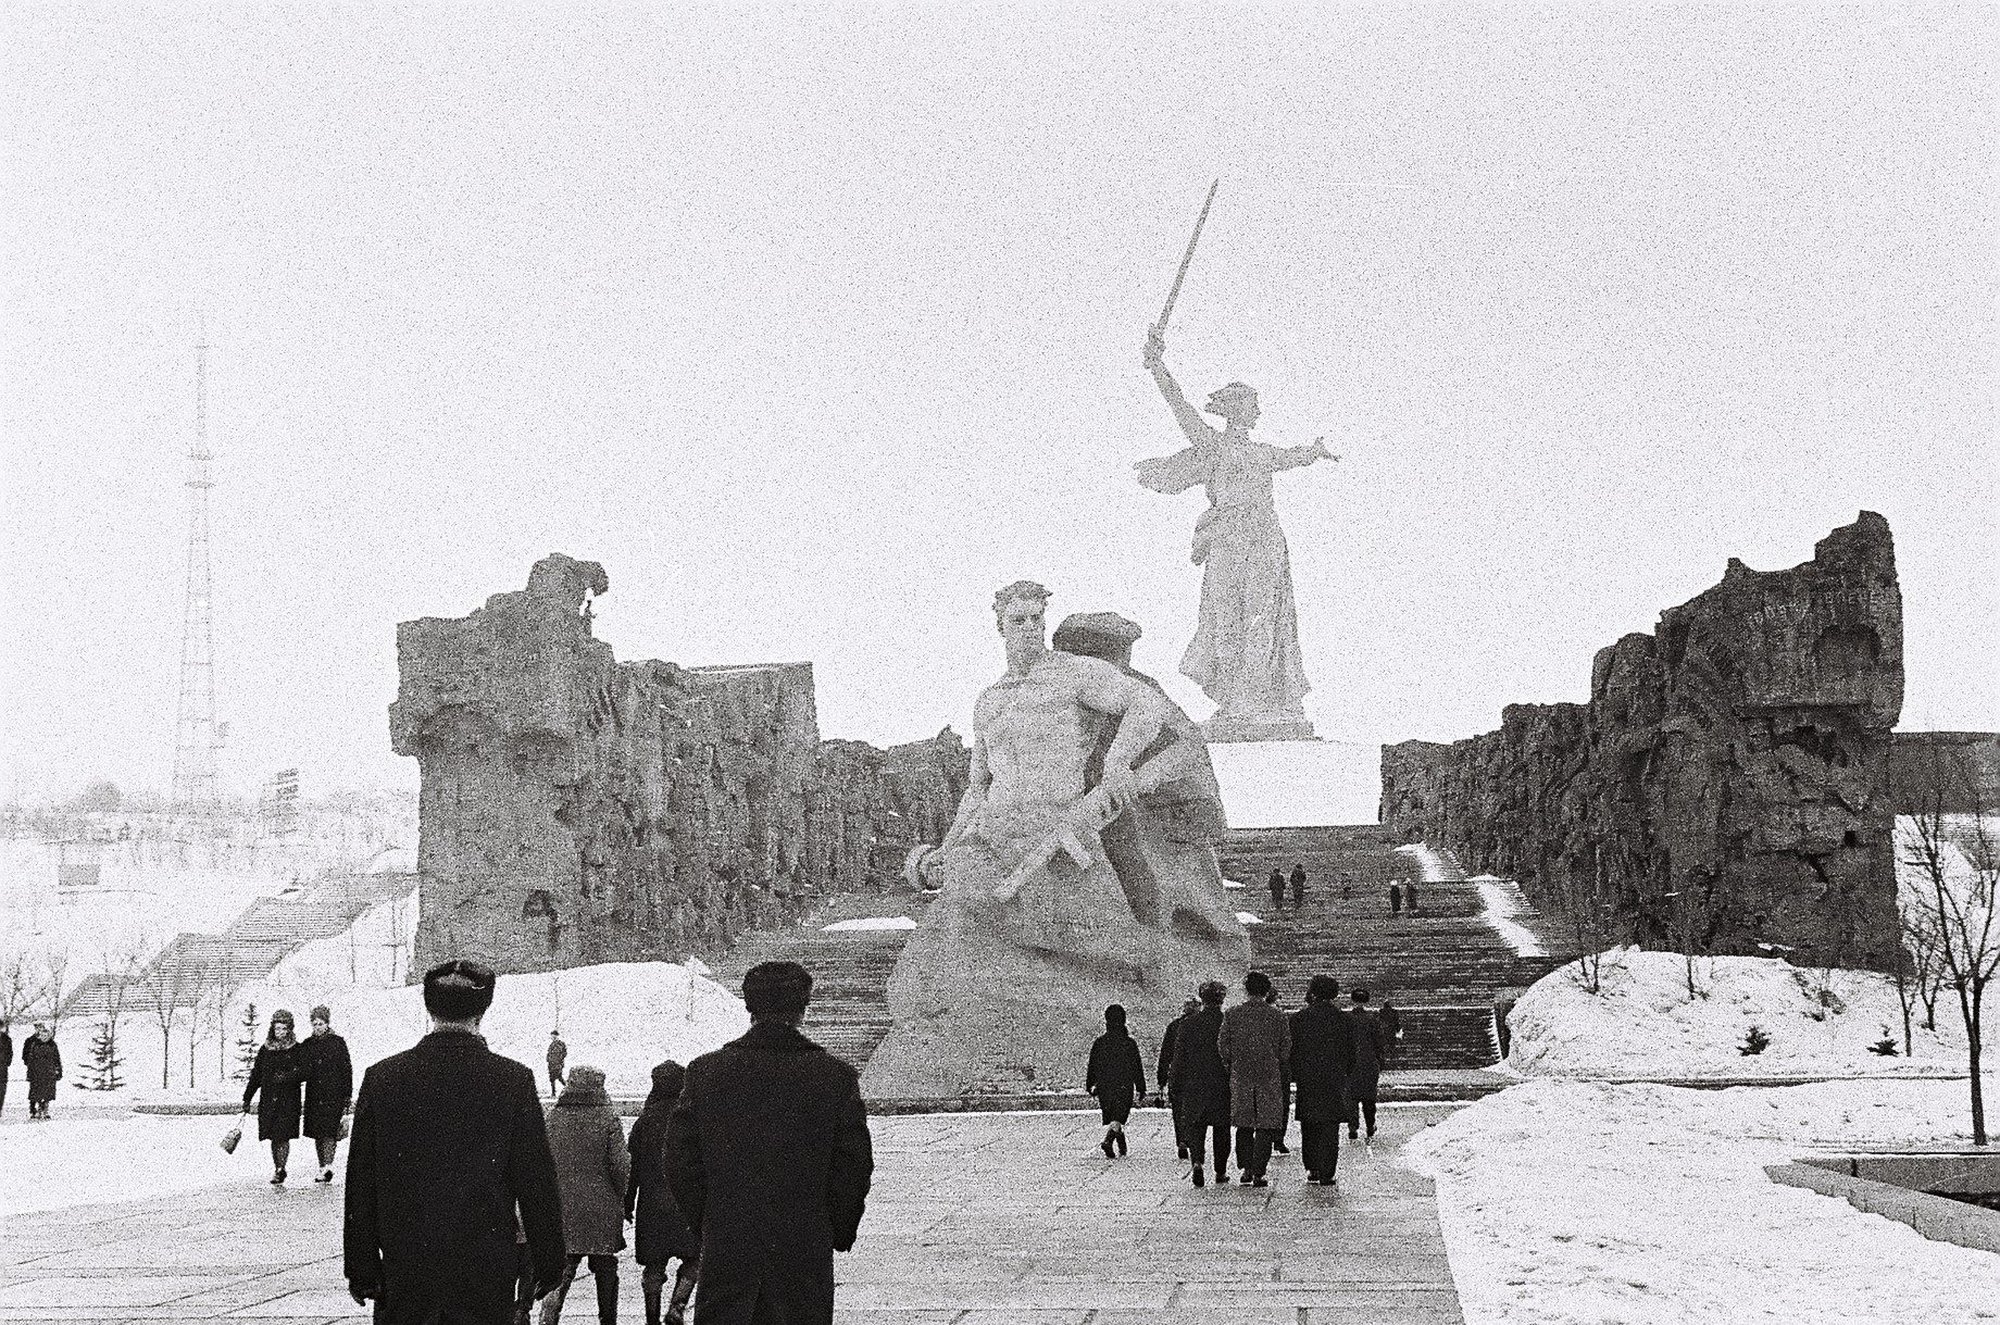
column 815, row 327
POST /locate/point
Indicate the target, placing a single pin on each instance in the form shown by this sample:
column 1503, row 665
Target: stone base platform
column 975, row 1219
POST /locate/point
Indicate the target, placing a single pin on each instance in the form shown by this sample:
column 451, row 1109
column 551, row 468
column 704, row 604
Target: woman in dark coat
column 592, row 1171
column 663, row 1234
column 1322, row 1057
column 329, row 1089
column 1201, row 1082
column 41, row 1059
column 1114, row 1076
column 280, row 1074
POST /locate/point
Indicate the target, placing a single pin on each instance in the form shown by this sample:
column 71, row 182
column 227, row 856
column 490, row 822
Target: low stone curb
column 1935, row 1217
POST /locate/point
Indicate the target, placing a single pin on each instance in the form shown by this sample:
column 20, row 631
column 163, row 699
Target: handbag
column 234, row 1136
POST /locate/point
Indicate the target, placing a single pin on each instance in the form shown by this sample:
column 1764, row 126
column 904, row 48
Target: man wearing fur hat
column 1245, row 653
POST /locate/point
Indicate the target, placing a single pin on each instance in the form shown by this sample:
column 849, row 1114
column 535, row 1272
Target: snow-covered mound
column 1246, row 918
column 622, row 1016
column 1645, row 1024
column 1578, row 1203
column 869, row 923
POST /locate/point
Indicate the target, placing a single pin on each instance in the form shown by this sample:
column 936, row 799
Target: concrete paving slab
column 977, row 1219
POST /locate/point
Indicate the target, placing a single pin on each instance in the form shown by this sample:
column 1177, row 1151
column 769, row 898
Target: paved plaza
column 975, row 1219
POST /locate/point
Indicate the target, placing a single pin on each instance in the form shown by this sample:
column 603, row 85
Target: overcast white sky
column 814, row 328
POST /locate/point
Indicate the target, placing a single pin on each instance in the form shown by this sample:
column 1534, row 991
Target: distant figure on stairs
column 1298, row 885
column 1395, row 898
column 1276, row 883
column 1410, row 895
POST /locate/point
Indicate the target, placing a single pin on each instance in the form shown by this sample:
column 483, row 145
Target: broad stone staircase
column 1441, row 967
column 849, row 1015
column 189, row 969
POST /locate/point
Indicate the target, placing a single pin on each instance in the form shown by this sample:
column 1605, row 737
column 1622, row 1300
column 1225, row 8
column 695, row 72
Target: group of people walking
column 41, row 1060
column 1238, row 1069
column 305, row 1087
column 1278, row 882
column 749, row 1167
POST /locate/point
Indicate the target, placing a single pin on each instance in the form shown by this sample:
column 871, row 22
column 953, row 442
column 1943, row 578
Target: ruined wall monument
column 1731, row 769
column 576, row 809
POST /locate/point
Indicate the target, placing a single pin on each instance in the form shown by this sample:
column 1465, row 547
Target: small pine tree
column 1754, row 1042
column 1884, row 1046
column 246, row 1043
column 104, row 1058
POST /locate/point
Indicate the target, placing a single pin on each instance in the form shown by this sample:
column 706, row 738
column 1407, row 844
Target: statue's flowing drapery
column 1245, row 652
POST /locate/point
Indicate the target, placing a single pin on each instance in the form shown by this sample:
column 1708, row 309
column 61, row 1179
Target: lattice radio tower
column 197, row 739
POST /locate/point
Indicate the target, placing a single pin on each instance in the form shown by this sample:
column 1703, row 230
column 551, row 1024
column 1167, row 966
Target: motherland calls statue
column 1079, row 871
column 1245, row 652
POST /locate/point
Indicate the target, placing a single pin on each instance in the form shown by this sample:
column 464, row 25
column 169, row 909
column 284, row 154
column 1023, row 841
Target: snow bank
column 870, row 923
column 1644, row 1024
column 622, row 1016
column 374, row 952
column 1244, row 917
column 85, row 1161
column 1571, row 1202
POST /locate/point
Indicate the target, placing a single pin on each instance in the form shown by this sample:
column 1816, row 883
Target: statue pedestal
column 1230, row 728
column 1298, row 784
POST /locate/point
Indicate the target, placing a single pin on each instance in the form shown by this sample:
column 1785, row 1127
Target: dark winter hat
column 777, row 989
column 1359, row 996
column 668, row 1078
column 459, row 990
column 1190, row 1005
column 1114, row 1017
column 1322, row 989
column 1256, row 984
column 584, row 1086
column 321, row 1013
column 1213, row 992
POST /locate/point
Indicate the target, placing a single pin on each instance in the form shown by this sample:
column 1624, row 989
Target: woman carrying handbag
column 279, row 1074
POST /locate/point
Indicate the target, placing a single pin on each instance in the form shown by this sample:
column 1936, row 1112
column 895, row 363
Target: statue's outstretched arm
column 1296, row 457
column 1196, row 427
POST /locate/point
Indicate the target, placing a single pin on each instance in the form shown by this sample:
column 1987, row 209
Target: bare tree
column 56, row 984
column 19, row 988
column 169, row 986
column 1587, row 907
column 1957, row 859
column 1691, row 917
column 1918, row 970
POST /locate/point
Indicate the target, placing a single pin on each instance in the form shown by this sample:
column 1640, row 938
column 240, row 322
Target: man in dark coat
column 1322, row 1057
column 558, row 1056
column 1201, row 1083
column 1396, row 898
column 1276, row 885
column 1364, row 1078
column 1166, row 1064
column 1255, row 1041
column 329, row 1089
column 1298, row 885
column 769, row 1158
column 6, row 1062
column 449, row 1144
column 41, row 1059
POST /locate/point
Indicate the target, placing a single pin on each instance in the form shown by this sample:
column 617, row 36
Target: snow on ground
column 1571, row 1202
column 870, row 923
column 1644, row 1023
column 1503, row 901
column 1286, row 784
column 1432, row 867
column 622, row 1016
column 1246, row 918
column 374, row 952
column 84, row 1161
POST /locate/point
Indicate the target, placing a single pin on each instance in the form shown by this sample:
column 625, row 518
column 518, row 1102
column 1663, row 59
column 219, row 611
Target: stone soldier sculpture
column 1077, row 873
